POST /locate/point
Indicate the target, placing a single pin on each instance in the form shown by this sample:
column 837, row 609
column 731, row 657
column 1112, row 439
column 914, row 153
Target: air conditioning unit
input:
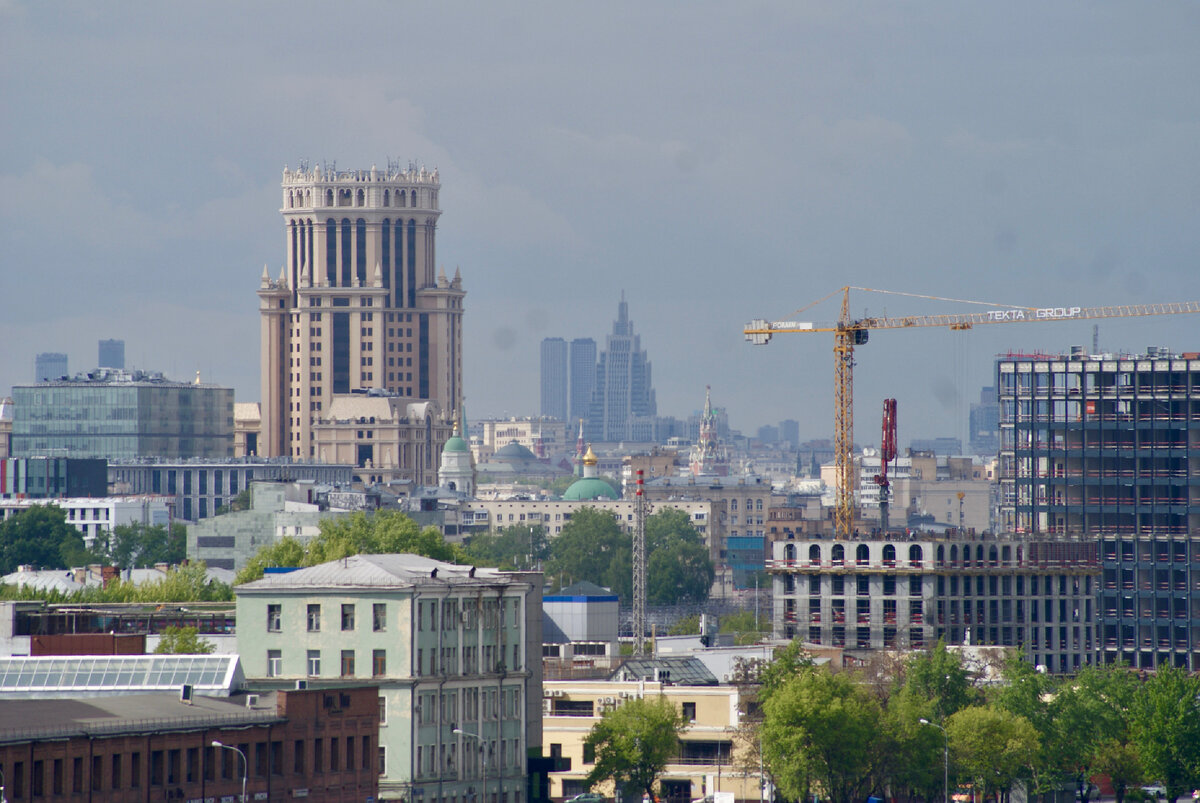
column 610, row 701
column 547, row 706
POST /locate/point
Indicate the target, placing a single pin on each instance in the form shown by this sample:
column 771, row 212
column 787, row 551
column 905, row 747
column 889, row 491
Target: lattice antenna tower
column 639, row 567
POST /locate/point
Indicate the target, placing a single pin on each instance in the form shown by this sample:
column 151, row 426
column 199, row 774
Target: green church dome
column 589, row 488
column 455, row 442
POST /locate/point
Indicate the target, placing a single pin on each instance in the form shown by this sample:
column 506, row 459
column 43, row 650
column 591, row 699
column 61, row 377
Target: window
column 116, row 771
column 298, row 757
column 382, row 710
column 274, row 618
column 314, row 618
column 378, row 663
column 348, row 617
column 347, row 663
column 156, row 768
column 379, row 617
column 274, row 663
column 382, row 760
column 135, row 770
column 314, row 663
column 689, row 712
column 77, row 773
column 318, row 755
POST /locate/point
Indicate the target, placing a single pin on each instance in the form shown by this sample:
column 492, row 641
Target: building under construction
column 1101, row 447
column 907, row 592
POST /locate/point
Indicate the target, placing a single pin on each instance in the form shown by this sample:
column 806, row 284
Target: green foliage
column 384, row 532
column 180, row 584
column 183, row 641
column 678, row 568
column 687, row 626
column 1166, row 730
column 237, row 503
column 517, row 546
column 40, row 536
column 592, row 547
column 788, row 663
column 746, row 627
column 1122, row 764
column 138, row 546
column 992, row 746
column 821, row 734
column 633, row 743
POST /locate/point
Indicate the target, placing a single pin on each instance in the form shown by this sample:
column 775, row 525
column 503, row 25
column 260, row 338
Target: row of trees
column 847, row 738
column 40, row 536
column 844, row 736
column 593, row 547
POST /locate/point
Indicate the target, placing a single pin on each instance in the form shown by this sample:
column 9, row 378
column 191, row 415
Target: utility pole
column 639, row 568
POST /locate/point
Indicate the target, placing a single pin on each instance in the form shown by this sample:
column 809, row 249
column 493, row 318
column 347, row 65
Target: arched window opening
column 941, row 555
column 814, row 555
column 386, row 196
column 889, row 555
column 862, row 554
column 361, row 199
column 329, row 197
column 789, row 553
column 839, row 555
column 331, row 252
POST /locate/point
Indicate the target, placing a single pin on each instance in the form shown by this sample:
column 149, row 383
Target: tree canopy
column 678, row 567
column 518, row 546
column 137, row 546
column 383, row 532
column 592, row 547
column 633, row 743
column 821, row 731
column 183, row 641
column 40, row 536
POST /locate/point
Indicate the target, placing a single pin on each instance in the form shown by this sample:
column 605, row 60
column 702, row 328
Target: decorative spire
column 266, row 277
column 378, row 271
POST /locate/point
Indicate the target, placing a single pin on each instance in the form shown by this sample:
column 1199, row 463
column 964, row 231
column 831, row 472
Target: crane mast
column 850, row 332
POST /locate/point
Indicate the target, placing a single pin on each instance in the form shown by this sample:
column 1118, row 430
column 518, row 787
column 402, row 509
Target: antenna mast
column 639, row 568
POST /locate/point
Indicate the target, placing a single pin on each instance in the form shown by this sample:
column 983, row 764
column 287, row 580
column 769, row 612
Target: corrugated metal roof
column 364, row 571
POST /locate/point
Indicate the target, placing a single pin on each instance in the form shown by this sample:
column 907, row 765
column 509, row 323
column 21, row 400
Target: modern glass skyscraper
column 623, row 390
column 112, row 354
column 49, row 366
column 121, row 415
column 583, row 376
column 554, row 378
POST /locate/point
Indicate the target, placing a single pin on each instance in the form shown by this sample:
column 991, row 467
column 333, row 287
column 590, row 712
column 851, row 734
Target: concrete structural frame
column 1037, row 593
column 1107, row 447
column 358, row 303
column 452, row 648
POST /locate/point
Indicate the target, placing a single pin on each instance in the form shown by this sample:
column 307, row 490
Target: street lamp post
column 483, row 757
column 945, row 756
column 245, row 763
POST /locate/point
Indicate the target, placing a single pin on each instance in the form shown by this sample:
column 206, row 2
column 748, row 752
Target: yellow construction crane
column 850, row 332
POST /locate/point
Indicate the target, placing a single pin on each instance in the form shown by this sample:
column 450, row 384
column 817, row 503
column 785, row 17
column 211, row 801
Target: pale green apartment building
column 455, row 650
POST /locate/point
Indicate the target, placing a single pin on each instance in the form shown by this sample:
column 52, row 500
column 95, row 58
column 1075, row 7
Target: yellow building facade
column 714, row 756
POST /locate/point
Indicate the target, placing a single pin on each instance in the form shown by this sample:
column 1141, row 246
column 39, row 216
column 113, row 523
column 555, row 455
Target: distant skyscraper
column 985, row 423
column 789, row 430
column 112, row 354
column 583, row 376
column 554, row 378
column 359, row 308
column 48, row 366
column 623, row 389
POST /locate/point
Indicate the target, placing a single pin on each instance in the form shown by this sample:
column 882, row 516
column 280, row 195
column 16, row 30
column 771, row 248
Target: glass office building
column 116, row 414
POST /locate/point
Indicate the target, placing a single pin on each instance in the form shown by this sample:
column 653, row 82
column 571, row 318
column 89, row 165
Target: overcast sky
column 717, row 161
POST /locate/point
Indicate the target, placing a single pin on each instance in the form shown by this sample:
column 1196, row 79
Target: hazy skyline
column 717, row 161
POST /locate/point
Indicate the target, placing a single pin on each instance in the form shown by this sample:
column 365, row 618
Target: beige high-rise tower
column 358, row 305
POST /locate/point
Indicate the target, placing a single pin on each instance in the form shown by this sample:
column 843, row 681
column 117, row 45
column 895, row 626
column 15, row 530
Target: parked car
column 1155, row 790
column 588, row 797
